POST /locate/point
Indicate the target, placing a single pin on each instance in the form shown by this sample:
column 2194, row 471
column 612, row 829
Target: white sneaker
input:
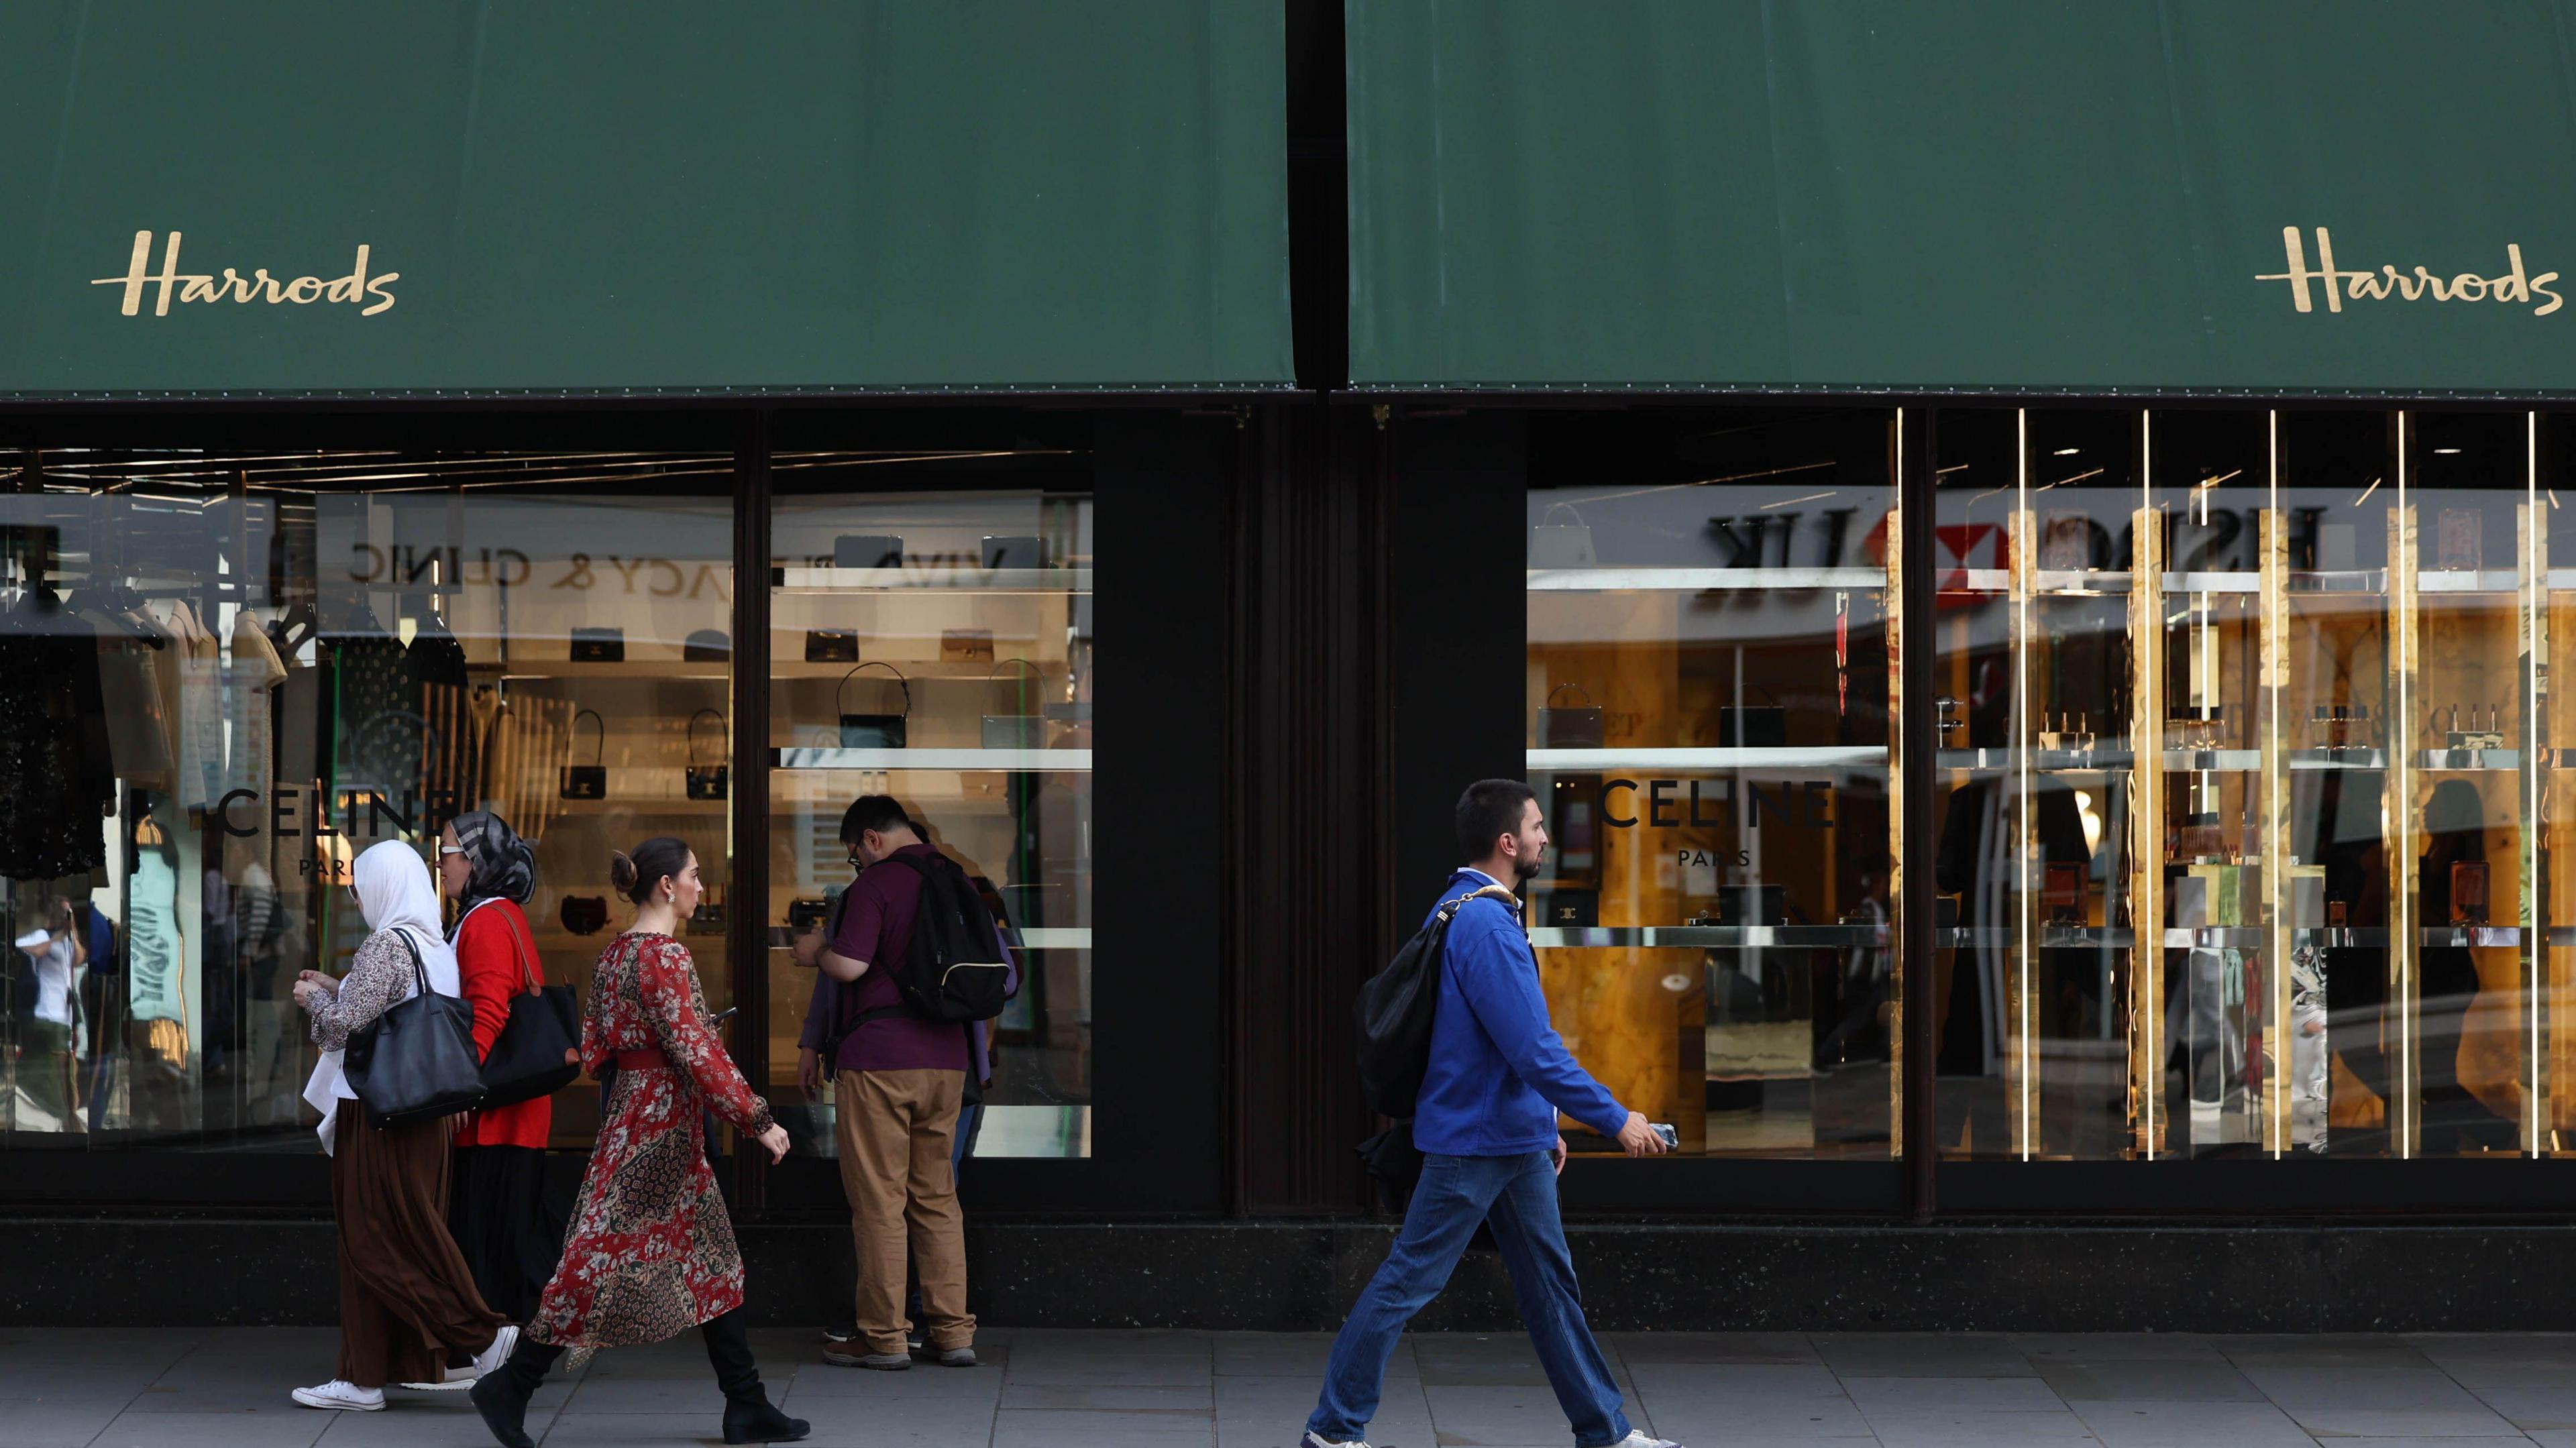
column 498, row 1353
column 345, row 1395
column 1314, row 1439
column 1638, row 1438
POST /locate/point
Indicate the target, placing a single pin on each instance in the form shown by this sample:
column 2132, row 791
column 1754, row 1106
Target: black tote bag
column 539, row 1049
column 416, row 1062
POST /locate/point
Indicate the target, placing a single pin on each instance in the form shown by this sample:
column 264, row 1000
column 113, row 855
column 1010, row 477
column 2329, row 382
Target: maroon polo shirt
column 876, row 926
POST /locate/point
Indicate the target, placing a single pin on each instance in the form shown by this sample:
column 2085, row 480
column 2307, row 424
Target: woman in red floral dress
column 651, row 1252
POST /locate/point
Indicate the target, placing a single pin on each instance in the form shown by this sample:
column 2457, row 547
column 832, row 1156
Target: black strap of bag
column 416, row 1062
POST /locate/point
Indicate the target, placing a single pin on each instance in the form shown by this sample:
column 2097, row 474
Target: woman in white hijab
column 407, row 1298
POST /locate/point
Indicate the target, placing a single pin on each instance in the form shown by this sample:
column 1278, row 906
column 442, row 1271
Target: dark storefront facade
column 2013, row 541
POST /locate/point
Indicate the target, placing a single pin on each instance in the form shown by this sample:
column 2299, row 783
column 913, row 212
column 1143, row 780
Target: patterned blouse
column 380, row 975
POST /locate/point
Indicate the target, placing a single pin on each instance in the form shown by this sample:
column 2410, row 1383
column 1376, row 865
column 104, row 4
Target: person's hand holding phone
column 1639, row 1137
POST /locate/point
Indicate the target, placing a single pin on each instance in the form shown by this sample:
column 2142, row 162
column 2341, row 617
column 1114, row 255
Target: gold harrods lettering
column 360, row 285
column 2341, row 286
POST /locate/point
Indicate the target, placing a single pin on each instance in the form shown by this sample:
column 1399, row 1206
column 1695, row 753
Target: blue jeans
column 1518, row 1195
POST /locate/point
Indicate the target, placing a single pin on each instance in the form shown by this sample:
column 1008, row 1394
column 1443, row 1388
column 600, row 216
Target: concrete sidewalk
column 226, row 1388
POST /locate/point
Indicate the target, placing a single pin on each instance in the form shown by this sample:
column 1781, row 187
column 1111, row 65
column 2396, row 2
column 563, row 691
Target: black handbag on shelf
column 706, row 646
column 867, row 550
column 599, row 646
column 416, row 1062
column 874, row 731
column 538, row 1052
column 583, row 914
column 831, row 646
column 707, row 781
column 589, row 781
column 1014, row 551
column 1579, row 727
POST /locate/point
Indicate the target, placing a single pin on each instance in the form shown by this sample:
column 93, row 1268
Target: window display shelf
column 1708, row 937
column 654, row 669
column 1795, row 756
column 1023, row 761
column 943, row 580
column 1697, row 580
column 1056, row 937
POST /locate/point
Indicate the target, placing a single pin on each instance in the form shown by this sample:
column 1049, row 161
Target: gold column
column 2021, row 1085
column 1895, row 614
column 2147, row 834
column 2532, row 568
column 2405, row 930
column 2273, row 816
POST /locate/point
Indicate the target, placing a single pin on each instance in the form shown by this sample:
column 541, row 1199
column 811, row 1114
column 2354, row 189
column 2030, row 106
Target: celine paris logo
column 360, row 287
column 2417, row 283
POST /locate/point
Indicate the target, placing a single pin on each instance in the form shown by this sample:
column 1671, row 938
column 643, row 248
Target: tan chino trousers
column 896, row 1131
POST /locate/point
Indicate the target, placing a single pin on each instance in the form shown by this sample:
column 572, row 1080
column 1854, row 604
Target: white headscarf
column 394, row 893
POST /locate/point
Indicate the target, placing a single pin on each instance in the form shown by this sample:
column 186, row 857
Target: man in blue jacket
column 1486, row 1126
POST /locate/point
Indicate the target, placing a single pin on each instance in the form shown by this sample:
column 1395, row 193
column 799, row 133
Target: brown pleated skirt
column 406, row 1296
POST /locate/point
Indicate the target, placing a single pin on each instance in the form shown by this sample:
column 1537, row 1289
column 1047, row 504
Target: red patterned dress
column 651, row 1252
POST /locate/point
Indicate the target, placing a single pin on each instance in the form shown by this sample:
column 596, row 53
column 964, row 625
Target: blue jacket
column 1499, row 1073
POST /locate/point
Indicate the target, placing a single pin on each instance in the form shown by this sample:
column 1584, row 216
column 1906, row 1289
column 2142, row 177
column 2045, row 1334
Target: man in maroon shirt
column 899, row 1079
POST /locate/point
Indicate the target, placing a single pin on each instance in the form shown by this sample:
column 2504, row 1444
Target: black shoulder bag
column 539, row 1049
column 416, row 1062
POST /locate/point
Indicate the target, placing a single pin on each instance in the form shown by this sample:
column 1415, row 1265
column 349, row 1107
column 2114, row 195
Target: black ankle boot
column 749, row 1416
column 754, row 1419
column 502, row 1395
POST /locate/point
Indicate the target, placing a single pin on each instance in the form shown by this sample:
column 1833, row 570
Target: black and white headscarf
column 498, row 863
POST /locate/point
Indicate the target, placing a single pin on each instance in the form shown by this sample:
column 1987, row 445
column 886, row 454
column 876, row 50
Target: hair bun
column 621, row 871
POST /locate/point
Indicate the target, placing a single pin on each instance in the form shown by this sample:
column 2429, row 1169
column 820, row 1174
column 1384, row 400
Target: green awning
column 1977, row 194
column 595, row 197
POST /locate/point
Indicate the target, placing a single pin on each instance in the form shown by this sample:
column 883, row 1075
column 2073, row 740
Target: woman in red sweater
column 503, row 1218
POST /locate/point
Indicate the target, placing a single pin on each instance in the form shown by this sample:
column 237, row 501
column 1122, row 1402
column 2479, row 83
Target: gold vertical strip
column 1894, row 613
column 2533, row 886
column 2272, row 816
column 2146, row 834
column 2020, row 1086
column 2405, row 929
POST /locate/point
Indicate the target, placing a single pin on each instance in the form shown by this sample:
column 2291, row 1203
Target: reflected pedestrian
column 652, row 1250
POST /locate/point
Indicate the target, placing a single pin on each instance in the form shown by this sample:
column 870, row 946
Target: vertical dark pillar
column 1307, row 805
column 1922, row 734
column 748, row 788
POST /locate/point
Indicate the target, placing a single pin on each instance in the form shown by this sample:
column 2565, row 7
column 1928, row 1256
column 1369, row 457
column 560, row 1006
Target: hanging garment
column 250, row 700
column 155, row 970
column 528, row 743
column 57, row 777
column 138, row 721
column 190, row 675
column 379, row 727
column 451, row 748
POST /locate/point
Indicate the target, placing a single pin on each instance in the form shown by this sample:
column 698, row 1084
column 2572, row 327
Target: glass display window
column 229, row 673
column 932, row 640
column 1708, row 705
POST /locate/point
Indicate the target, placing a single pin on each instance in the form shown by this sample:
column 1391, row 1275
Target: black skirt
column 507, row 1222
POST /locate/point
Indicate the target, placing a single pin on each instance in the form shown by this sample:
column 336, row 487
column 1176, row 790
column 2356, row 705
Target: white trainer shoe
column 1639, row 1438
column 1314, row 1439
column 343, row 1395
column 499, row 1352
column 453, row 1380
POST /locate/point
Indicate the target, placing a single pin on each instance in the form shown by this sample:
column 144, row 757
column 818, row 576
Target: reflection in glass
column 1708, row 703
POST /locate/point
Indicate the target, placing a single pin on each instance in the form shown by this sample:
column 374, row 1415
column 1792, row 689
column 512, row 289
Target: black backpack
column 1395, row 1010
column 957, row 970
